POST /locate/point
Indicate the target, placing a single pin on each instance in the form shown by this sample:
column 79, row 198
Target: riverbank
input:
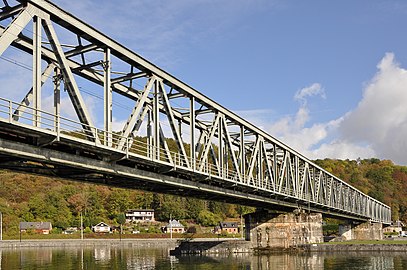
column 127, row 242
column 144, row 243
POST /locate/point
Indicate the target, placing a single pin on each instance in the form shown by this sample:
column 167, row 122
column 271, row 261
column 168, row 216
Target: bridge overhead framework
column 174, row 139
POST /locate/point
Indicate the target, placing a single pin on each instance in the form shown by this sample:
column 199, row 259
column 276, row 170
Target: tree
column 207, row 218
column 121, row 218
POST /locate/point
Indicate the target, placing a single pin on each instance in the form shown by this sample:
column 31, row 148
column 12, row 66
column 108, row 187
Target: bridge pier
column 361, row 231
column 270, row 230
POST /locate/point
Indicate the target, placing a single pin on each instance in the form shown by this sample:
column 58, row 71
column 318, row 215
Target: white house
column 101, row 228
column 175, row 226
column 139, row 215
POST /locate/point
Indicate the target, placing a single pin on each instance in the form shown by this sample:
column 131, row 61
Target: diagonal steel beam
column 10, row 12
column 164, row 144
column 208, row 142
column 16, row 26
column 73, row 90
column 253, row 159
column 174, row 128
column 130, row 124
column 268, row 166
column 14, row 29
column 230, row 147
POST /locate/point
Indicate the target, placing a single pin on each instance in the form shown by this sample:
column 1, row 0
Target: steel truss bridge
column 174, row 139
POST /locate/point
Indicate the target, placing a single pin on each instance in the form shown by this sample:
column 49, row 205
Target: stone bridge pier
column 361, row 231
column 267, row 230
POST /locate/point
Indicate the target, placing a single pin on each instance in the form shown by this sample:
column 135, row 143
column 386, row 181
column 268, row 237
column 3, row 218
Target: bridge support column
column 361, row 231
column 270, row 230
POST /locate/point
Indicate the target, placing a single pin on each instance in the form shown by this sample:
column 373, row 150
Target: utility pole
column 81, row 227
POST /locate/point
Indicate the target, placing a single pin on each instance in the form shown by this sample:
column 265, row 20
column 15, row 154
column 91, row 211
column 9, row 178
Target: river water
column 111, row 257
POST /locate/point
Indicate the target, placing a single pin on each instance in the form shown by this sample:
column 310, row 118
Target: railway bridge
column 59, row 75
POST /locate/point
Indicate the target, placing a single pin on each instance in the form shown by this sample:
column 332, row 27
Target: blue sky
column 326, row 77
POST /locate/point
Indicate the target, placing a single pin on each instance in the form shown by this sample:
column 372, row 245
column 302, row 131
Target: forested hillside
column 380, row 179
column 25, row 197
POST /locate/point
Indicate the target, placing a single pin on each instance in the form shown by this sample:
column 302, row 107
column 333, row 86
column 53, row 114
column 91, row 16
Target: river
column 116, row 257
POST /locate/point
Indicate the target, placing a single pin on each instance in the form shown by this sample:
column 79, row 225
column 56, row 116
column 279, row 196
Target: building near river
column 139, row 215
column 101, row 228
column 174, row 226
column 38, row 227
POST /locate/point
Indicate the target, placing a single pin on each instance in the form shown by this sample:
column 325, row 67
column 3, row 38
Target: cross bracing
column 170, row 127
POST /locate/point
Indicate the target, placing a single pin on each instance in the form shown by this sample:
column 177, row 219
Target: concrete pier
column 275, row 231
column 361, row 231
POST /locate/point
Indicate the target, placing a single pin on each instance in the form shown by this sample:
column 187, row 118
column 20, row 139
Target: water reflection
column 120, row 257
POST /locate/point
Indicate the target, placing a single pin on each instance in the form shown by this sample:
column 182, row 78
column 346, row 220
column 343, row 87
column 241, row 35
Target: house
column 227, row 227
column 38, row 227
column 139, row 215
column 101, row 228
column 175, row 226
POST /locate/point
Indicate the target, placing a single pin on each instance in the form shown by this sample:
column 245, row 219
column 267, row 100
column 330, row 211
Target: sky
column 327, row 78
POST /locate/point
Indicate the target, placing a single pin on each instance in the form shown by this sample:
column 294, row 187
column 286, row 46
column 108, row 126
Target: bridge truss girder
column 209, row 143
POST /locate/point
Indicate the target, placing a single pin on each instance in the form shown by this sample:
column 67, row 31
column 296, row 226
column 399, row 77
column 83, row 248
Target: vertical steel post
column 156, row 120
column 275, row 175
column 260, row 166
column 57, row 100
column 242, row 155
column 107, row 98
column 192, row 132
column 150, row 148
column 221, row 150
column 37, row 71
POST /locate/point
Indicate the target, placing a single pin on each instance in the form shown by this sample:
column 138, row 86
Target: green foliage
column 380, row 179
column 207, row 218
column 330, row 229
column 121, row 218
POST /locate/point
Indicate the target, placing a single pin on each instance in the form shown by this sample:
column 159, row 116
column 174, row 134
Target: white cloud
column 377, row 127
column 342, row 150
column 314, row 90
column 380, row 118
